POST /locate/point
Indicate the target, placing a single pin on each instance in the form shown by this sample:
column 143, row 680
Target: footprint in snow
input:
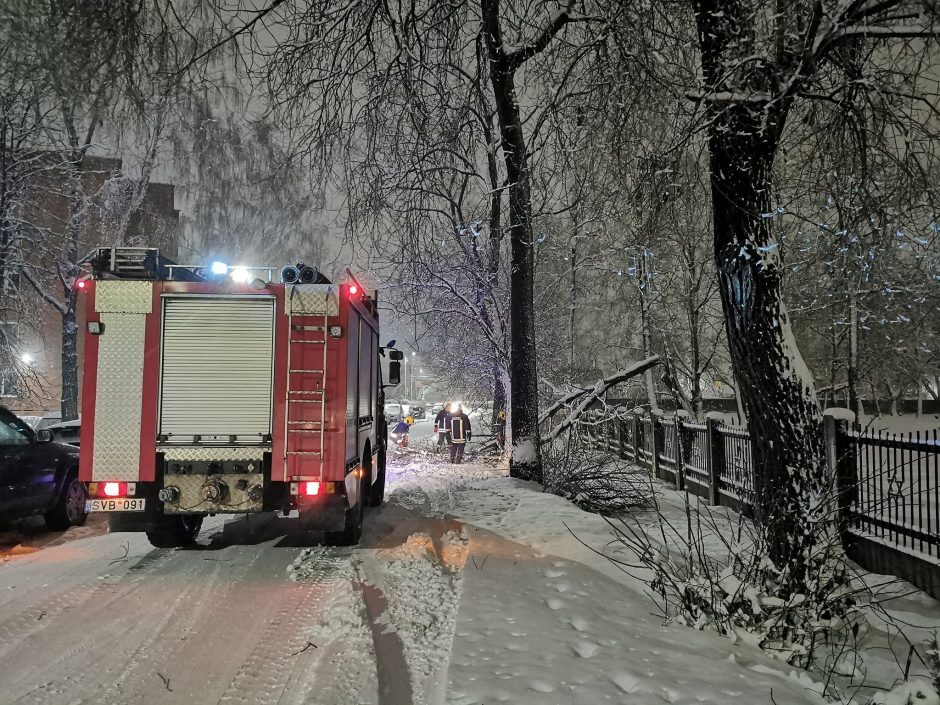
column 581, row 625
column 585, row 649
column 670, row 695
column 541, row 686
column 554, row 603
column 554, row 573
column 627, row 682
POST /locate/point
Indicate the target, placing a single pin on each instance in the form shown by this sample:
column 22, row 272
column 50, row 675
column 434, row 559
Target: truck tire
column 352, row 531
column 174, row 531
column 69, row 507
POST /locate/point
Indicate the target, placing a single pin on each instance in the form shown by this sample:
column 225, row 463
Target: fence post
column 637, row 454
column 655, row 444
column 621, row 446
column 841, row 464
column 715, row 457
column 679, row 452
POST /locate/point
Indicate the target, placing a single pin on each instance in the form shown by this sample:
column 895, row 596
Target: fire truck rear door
column 217, row 367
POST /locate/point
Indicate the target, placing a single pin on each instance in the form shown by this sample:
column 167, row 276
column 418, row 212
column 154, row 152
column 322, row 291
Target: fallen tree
column 585, row 397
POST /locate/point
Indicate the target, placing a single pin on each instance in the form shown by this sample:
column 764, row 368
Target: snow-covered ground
column 468, row 588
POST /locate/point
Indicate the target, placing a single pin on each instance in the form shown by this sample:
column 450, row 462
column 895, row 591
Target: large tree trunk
column 526, row 459
column 69, row 363
column 775, row 385
column 78, row 214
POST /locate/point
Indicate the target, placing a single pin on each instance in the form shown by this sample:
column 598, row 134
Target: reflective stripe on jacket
column 459, row 428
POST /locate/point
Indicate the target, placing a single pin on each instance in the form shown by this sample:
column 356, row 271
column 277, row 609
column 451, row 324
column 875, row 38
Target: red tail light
column 114, row 489
column 310, row 489
column 353, row 290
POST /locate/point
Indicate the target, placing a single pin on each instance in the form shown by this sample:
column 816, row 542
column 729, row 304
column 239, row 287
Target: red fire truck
column 218, row 390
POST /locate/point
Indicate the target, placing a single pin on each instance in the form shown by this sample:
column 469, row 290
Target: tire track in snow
column 411, row 586
column 155, row 643
column 391, row 667
column 101, row 593
column 202, row 608
column 343, row 671
column 100, row 646
column 282, row 649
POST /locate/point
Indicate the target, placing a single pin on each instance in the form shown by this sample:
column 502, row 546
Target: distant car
column 393, row 411
column 33, row 421
column 50, row 419
column 38, row 476
column 67, row 432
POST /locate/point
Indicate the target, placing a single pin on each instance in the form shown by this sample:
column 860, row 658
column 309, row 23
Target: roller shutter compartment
column 217, row 367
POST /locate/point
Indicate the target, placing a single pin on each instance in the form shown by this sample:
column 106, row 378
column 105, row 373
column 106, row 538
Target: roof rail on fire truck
column 147, row 263
column 128, row 262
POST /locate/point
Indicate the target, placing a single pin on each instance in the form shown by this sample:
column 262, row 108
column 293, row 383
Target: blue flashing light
column 219, row 269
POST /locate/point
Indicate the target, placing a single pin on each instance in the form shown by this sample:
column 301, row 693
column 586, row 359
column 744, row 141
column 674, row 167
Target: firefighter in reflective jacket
column 442, row 425
column 459, row 434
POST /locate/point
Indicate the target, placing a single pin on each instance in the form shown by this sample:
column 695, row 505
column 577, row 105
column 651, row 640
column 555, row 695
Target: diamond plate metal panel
column 307, row 299
column 113, row 296
column 212, row 454
column 192, row 501
column 117, row 403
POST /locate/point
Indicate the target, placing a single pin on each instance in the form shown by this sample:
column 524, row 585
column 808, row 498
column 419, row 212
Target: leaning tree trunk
column 775, row 384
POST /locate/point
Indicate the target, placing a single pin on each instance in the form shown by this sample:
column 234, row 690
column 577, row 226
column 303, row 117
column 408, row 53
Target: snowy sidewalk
column 497, row 602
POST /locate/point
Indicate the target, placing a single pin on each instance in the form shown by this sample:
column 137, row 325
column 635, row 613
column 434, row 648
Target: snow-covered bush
column 933, row 659
column 714, row 572
column 594, row 479
column 917, row 691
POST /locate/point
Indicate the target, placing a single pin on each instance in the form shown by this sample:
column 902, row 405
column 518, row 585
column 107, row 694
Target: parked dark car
column 38, row 476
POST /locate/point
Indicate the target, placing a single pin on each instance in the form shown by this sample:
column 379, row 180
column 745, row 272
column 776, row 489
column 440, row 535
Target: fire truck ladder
column 300, row 396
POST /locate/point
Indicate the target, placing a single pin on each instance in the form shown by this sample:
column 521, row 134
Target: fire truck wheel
column 174, row 531
column 350, row 535
column 69, row 509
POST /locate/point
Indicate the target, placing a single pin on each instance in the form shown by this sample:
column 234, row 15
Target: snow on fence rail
column 888, row 483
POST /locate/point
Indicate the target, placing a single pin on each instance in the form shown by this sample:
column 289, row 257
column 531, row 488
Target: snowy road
column 468, row 588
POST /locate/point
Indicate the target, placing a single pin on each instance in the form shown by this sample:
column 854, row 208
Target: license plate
column 128, row 504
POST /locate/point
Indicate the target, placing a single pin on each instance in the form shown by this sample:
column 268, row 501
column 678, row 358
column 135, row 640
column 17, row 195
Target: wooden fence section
column 888, row 485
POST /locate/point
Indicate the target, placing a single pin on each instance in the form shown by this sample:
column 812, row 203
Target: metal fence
column 897, row 487
column 888, row 483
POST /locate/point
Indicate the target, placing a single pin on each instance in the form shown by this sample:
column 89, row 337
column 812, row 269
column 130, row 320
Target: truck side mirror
column 395, row 355
column 394, row 372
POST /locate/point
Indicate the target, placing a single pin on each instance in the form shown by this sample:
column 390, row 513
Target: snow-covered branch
column 587, row 396
column 517, row 57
